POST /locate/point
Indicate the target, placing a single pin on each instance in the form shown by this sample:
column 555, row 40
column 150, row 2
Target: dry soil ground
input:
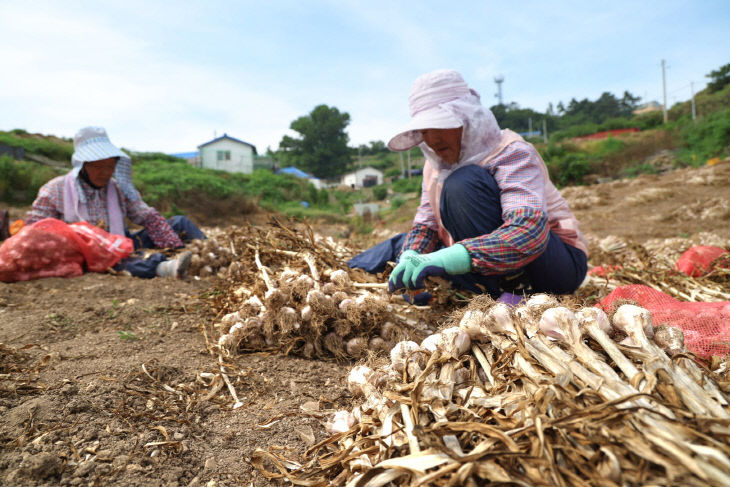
column 100, row 375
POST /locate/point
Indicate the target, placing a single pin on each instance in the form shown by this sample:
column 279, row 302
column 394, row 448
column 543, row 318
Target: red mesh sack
column 48, row 248
column 603, row 270
column 706, row 326
column 101, row 249
column 698, row 261
column 52, row 248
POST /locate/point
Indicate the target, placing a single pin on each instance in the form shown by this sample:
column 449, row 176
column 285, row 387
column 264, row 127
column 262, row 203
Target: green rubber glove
column 452, row 260
column 395, row 281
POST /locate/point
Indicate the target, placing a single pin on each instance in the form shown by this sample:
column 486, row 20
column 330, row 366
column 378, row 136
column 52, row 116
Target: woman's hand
column 414, row 267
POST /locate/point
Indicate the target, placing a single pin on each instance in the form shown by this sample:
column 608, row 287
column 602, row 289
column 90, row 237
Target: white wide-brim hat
column 428, row 93
column 93, row 144
column 433, row 118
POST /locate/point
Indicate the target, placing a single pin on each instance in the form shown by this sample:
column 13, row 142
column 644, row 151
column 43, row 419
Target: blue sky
column 167, row 76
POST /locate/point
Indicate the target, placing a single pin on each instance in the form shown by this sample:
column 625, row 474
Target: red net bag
column 701, row 259
column 706, row 326
column 52, row 248
column 101, row 249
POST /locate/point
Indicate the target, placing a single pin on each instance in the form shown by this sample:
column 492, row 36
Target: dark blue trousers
column 139, row 267
column 470, row 207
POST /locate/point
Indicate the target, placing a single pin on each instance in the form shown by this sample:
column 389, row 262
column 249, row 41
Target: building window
column 223, row 155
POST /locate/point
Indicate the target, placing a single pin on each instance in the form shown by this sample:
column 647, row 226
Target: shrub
column 396, row 203
column 20, row 181
column 51, row 148
column 408, row 185
column 708, row 137
column 380, row 192
column 632, row 172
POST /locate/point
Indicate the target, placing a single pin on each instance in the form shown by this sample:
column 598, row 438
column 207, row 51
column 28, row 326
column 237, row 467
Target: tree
column 719, row 78
column 321, row 148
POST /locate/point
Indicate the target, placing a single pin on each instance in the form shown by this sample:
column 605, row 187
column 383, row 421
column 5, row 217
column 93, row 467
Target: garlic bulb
column 628, row 317
column 599, row 316
column 670, row 339
column 274, row 299
column 287, row 319
column 320, row 302
column 306, row 313
column 356, row 347
column 554, row 323
column 471, row 323
column 455, row 341
column 431, row 342
column 377, row 344
column 359, row 381
column 329, row 288
column 338, row 297
column 499, row 318
column 400, row 353
column 231, row 318
column 340, row 278
column 341, row 421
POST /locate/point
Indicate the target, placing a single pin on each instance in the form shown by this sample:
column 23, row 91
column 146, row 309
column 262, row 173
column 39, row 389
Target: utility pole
column 529, row 126
column 544, row 131
column 692, row 92
column 664, row 90
column 359, row 157
column 402, row 169
column 409, row 163
column 499, row 80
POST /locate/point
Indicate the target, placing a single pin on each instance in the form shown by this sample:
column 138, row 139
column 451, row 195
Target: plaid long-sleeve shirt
column 49, row 204
column 524, row 233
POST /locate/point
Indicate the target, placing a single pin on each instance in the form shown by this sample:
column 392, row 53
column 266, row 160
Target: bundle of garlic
column 302, row 314
column 538, row 395
column 653, row 264
column 211, row 257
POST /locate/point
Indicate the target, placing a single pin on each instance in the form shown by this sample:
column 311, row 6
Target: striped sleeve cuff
column 519, row 241
column 421, row 239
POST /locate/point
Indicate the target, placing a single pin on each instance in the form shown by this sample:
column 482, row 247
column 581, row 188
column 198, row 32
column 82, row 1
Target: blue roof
column 226, row 136
column 294, row 172
column 186, row 155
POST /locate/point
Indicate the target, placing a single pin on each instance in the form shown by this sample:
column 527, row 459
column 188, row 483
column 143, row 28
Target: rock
column 209, row 463
column 85, row 468
column 178, row 436
column 41, row 466
column 120, row 461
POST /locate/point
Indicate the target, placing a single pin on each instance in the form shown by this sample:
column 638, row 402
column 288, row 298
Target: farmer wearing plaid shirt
column 89, row 193
column 490, row 219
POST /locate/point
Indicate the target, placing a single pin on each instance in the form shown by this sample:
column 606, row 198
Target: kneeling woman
column 490, row 219
column 90, row 193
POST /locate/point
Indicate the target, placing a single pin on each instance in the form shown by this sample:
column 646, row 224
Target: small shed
column 363, row 178
column 227, row 153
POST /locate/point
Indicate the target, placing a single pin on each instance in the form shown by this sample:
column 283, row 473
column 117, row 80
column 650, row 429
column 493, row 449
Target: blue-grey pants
column 139, row 267
column 470, row 207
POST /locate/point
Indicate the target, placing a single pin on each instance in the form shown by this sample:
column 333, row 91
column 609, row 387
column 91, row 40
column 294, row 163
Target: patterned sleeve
column 161, row 232
column 421, row 239
column 158, row 229
column 48, row 203
column 524, row 234
column 136, row 209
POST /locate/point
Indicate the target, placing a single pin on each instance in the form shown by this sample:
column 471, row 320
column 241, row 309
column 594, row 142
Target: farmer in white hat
column 490, row 219
column 99, row 190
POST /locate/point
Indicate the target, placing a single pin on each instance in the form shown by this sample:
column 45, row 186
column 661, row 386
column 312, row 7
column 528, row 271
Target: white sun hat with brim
column 93, row 144
column 428, row 93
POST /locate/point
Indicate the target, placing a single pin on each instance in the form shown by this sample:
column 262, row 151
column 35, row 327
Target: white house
column 227, row 154
column 363, row 178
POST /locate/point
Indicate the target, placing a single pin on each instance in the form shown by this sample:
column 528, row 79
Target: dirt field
column 100, row 375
